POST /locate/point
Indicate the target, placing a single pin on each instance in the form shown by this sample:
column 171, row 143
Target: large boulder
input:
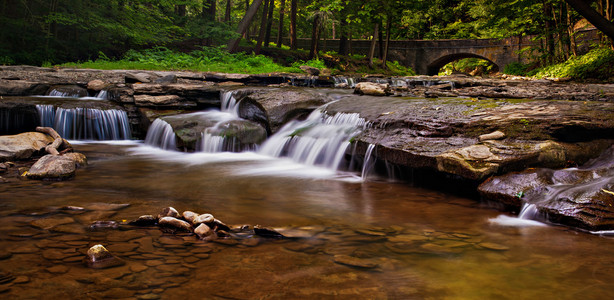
column 56, row 167
column 372, row 89
column 274, row 107
column 580, row 197
column 23, row 145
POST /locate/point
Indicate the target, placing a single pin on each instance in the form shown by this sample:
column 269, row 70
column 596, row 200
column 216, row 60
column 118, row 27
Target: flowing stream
column 356, row 238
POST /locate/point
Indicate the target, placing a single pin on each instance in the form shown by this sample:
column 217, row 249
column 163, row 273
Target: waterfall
column 320, row 140
column 46, row 114
column 56, row 93
column 160, row 134
column 368, row 163
column 103, row 95
column 85, row 123
column 229, row 104
column 92, row 124
column 528, row 212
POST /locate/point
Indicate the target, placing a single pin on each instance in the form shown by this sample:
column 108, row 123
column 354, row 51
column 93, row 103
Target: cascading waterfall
column 528, row 212
column 368, row 163
column 160, row 134
column 46, row 113
column 86, row 123
column 91, row 123
column 229, row 111
column 320, row 140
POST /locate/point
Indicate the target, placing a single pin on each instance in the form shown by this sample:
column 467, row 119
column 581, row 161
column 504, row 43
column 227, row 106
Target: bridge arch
column 433, row 67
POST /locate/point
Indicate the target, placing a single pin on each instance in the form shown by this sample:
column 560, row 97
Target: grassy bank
column 215, row 59
column 597, row 64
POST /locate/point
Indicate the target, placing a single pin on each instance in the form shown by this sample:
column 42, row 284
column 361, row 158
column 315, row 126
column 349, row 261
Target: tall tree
column 233, row 45
column 263, row 22
column 293, row 11
column 269, row 24
column 280, row 28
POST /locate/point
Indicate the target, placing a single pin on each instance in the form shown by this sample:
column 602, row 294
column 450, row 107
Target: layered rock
column 23, row 145
column 581, row 197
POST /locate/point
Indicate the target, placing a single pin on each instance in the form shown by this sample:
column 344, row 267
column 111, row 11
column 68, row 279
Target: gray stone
column 171, row 78
column 53, row 167
column 175, row 224
column 205, row 233
column 168, row 212
column 137, row 78
column 496, row 135
column 310, row 70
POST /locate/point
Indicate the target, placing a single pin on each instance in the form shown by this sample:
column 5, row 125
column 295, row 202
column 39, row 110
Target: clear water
column 423, row 244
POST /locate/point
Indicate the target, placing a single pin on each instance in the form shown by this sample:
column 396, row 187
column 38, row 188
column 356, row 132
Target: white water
column 320, row 140
column 160, row 134
column 526, row 218
column 102, row 95
column 86, row 123
column 368, row 163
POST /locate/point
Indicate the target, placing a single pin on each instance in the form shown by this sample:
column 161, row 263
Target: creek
column 361, row 236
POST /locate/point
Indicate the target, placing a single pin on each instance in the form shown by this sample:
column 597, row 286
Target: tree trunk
column 572, row 35
column 212, row 10
column 267, row 37
column 293, row 9
column 180, row 10
column 262, row 27
column 246, row 34
column 343, row 37
column 280, row 28
column 315, row 37
column 373, row 41
column 227, row 13
column 385, row 56
column 584, row 8
column 381, row 41
column 548, row 24
column 233, row 45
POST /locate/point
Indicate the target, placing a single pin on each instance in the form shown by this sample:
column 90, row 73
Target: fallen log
column 58, row 143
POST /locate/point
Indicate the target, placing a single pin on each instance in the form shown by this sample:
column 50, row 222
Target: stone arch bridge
column 428, row 56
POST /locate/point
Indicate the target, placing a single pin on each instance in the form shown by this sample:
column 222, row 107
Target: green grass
column 205, row 60
column 596, row 64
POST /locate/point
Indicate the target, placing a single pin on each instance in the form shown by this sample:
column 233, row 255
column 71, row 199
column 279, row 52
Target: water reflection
column 361, row 240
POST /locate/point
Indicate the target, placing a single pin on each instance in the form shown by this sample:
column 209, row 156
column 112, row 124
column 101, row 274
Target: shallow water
column 412, row 243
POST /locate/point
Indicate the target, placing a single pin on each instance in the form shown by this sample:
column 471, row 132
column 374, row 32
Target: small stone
column 105, row 206
column 98, row 257
column 5, row 255
column 175, row 224
column 168, row 212
column 191, row 259
column 497, row 135
column 171, row 78
column 204, row 218
column 205, row 233
column 354, row 261
column 123, row 247
column 201, row 255
column 150, row 296
column 153, row 263
column 190, row 216
column 144, row 220
column 167, row 240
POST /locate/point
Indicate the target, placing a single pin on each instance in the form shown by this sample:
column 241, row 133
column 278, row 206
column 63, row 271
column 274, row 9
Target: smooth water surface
column 404, row 242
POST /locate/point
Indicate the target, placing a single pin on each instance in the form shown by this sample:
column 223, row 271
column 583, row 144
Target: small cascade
column 320, row 140
column 368, row 163
column 344, row 82
column 56, row 93
column 92, row 124
column 102, row 95
column 528, row 212
column 46, row 114
column 160, row 134
column 229, row 104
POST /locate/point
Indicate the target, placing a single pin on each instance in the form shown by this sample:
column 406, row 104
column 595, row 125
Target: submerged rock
column 267, row 232
column 145, row 220
column 98, row 257
column 205, row 233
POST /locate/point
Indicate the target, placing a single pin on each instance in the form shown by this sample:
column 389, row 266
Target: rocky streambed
column 442, row 129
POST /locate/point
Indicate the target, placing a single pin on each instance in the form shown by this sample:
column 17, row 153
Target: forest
column 48, row 32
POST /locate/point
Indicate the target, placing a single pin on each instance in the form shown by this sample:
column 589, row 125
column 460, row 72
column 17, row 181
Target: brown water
column 412, row 243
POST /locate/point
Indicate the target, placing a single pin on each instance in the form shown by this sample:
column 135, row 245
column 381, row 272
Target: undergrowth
column 596, row 64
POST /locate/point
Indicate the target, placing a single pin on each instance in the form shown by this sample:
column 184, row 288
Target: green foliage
column 596, row 64
column 316, row 63
column 467, row 65
column 396, row 68
column 515, row 68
